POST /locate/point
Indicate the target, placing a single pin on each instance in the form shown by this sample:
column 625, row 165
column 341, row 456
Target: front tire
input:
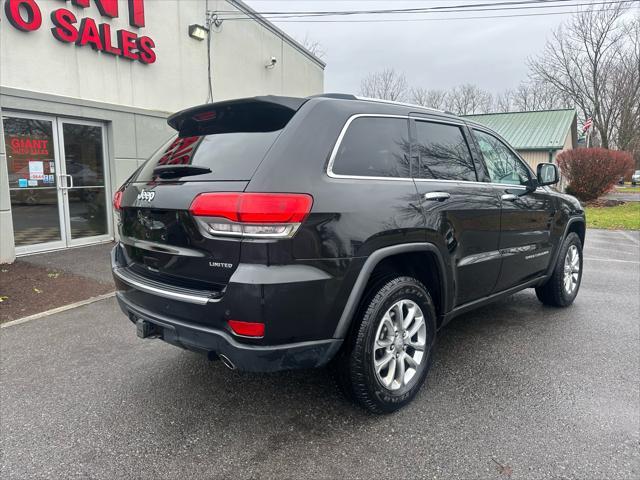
column 388, row 354
column 562, row 288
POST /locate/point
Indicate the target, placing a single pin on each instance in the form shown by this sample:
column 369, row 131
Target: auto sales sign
column 26, row 15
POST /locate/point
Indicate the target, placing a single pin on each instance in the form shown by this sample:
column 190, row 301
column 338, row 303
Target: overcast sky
column 491, row 53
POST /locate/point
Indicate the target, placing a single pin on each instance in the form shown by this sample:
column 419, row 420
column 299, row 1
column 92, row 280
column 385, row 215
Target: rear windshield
column 229, row 156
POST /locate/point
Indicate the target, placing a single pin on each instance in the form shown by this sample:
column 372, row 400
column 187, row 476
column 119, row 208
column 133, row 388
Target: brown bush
column 592, row 172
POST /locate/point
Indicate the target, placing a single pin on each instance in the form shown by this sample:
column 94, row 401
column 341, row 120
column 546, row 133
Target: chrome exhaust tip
column 227, row 363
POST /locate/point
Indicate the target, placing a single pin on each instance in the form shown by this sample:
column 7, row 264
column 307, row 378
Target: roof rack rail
column 379, row 100
column 340, row 96
column 348, row 96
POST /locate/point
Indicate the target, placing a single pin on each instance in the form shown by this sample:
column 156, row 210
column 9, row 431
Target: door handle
column 437, row 196
column 66, row 185
column 509, row 197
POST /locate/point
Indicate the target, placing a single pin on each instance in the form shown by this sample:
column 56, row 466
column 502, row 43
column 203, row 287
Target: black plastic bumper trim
column 256, row 358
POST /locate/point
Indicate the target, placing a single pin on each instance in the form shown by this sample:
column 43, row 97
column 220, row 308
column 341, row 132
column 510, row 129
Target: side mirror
column 547, row 174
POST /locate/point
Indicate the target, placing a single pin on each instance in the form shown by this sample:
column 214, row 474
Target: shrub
column 592, row 172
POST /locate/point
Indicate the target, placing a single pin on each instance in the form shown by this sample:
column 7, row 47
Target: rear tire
column 388, row 353
column 562, row 288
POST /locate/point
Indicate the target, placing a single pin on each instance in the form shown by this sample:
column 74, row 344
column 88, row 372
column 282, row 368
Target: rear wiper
column 175, row 171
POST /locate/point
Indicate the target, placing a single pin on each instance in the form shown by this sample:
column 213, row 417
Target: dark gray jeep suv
column 277, row 233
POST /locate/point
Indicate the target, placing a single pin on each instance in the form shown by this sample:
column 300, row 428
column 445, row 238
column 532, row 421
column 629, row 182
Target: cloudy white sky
column 491, row 53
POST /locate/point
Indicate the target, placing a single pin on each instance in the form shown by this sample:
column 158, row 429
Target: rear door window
column 374, row 147
column 229, row 156
column 442, row 152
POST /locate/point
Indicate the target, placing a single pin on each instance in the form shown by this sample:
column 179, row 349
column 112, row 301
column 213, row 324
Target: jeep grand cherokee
column 277, row 233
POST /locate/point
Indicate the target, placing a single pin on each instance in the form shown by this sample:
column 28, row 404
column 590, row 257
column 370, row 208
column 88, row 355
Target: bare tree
column 503, row 101
column 534, row 94
column 431, row 98
column 314, row 47
column 468, row 99
column 386, row 85
column 625, row 80
column 580, row 60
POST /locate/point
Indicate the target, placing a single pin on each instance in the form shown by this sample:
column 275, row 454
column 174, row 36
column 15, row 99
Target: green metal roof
column 543, row 130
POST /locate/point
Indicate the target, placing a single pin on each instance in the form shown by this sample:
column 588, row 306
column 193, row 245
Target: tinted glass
column 442, row 152
column 503, row 165
column 83, row 154
column 374, row 147
column 229, row 156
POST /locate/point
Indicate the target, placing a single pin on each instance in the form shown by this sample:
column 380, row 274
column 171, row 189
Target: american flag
column 587, row 125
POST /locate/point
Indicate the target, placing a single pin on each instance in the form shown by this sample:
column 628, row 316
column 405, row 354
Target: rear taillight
column 247, row 329
column 117, row 200
column 274, row 215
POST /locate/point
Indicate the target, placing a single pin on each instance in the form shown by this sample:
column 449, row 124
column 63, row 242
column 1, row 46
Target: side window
column 374, row 147
column 442, row 152
column 503, row 165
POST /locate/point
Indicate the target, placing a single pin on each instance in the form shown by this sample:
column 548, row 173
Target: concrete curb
column 57, row 310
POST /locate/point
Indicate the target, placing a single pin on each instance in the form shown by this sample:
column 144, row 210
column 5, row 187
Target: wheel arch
column 391, row 255
column 574, row 225
column 578, row 226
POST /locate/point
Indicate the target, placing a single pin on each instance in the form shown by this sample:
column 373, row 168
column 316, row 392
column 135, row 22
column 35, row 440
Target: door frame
column 106, row 177
column 60, row 165
column 58, row 244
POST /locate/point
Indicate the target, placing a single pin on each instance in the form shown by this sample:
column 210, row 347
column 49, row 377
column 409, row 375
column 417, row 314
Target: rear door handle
column 436, row 196
column 509, row 197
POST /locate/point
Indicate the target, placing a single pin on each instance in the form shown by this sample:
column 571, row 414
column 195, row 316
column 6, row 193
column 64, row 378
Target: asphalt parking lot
column 545, row 393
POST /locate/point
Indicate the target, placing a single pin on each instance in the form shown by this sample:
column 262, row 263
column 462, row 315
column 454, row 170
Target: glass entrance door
column 83, row 181
column 36, row 199
column 57, row 182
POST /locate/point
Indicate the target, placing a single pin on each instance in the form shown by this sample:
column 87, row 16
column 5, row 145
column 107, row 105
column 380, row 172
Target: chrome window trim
column 343, row 132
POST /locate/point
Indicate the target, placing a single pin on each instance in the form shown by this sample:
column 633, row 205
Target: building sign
column 28, row 145
column 26, row 15
column 29, row 159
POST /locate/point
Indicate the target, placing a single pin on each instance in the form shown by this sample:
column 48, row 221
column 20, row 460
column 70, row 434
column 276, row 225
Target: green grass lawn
column 622, row 217
column 628, row 189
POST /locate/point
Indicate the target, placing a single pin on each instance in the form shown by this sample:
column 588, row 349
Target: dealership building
column 85, row 90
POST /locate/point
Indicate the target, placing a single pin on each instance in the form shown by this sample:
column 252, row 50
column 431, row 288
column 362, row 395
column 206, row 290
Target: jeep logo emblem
column 146, row 195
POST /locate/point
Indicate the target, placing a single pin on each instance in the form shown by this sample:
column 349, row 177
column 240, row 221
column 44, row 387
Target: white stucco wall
column 42, row 75
column 36, row 61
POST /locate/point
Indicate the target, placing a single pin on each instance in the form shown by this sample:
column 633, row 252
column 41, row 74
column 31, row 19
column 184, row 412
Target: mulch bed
column 604, row 202
column 26, row 289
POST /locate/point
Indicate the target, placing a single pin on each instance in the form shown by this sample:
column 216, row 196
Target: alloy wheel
column 400, row 344
column 571, row 270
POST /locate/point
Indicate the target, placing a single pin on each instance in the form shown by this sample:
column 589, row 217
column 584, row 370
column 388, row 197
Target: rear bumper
column 192, row 320
column 254, row 358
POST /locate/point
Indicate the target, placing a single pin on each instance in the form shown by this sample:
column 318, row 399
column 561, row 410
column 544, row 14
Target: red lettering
column 28, row 146
column 89, row 34
column 127, row 43
column 136, row 13
column 34, row 16
column 108, row 8
column 145, row 49
column 64, row 29
column 105, row 34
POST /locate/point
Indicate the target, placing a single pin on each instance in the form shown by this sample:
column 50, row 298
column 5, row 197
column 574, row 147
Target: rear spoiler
column 256, row 114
